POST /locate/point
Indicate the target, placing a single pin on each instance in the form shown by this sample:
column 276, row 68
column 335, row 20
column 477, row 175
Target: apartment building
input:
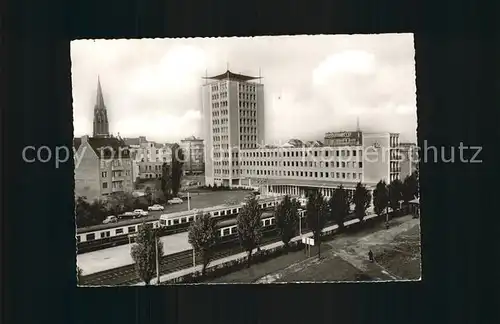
column 103, row 166
column 148, row 157
column 193, row 149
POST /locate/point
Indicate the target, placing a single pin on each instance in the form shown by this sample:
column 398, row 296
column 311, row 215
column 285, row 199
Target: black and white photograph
column 264, row 160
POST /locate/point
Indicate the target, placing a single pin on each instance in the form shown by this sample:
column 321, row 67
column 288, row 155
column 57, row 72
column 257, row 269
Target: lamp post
column 194, row 258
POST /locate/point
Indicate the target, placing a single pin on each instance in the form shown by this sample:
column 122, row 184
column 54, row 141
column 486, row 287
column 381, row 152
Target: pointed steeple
column 99, row 101
column 101, row 126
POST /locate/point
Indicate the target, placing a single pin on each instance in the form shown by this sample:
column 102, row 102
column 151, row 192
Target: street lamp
column 194, row 258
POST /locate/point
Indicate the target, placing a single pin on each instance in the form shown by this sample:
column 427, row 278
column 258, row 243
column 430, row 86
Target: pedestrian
column 370, row 256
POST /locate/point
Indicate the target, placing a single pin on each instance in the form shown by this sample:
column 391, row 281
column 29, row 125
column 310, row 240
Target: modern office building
column 236, row 154
column 233, row 113
column 297, row 166
column 193, row 149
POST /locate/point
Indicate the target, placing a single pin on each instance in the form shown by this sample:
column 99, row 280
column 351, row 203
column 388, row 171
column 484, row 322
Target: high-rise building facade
column 233, row 115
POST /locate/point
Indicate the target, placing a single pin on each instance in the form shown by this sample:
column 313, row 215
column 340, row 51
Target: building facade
column 148, row 157
column 103, row 166
column 408, row 159
column 233, row 113
column 194, row 156
column 295, row 167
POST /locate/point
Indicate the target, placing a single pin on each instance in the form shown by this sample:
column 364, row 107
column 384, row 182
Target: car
column 110, row 219
column 175, row 200
column 127, row 214
column 140, row 212
column 155, row 207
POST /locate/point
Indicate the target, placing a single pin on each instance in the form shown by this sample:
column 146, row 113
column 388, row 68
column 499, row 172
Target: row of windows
column 246, row 87
column 248, row 122
column 104, row 174
column 116, row 184
column 246, row 104
column 326, row 153
column 305, row 174
column 306, row 164
column 246, row 96
column 248, row 137
column 223, row 129
column 248, row 130
column 220, row 121
column 246, row 113
column 221, row 138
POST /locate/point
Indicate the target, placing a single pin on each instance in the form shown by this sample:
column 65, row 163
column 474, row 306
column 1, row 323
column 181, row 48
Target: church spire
column 99, row 101
column 101, row 126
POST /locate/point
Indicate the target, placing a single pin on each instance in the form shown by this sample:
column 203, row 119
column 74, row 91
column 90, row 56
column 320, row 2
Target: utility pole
column 189, row 201
column 194, row 258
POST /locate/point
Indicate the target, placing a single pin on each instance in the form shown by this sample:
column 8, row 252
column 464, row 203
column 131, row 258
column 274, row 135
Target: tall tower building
column 101, row 126
column 233, row 119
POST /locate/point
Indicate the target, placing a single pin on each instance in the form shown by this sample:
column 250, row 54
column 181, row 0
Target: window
column 104, row 174
column 104, row 185
column 353, row 153
column 360, row 164
column 90, row 237
column 78, row 239
column 131, row 229
column 226, row 231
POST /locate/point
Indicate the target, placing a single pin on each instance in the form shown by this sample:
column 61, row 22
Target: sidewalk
column 214, row 263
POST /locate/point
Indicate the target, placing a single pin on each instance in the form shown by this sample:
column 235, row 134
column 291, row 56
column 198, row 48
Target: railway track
column 126, row 275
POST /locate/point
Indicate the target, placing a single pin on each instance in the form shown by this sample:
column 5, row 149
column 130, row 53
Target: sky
column 312, row 84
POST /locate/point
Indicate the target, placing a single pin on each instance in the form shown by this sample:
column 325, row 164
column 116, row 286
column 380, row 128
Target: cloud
column 313, row 84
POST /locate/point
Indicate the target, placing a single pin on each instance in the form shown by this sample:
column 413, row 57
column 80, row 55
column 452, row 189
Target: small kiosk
column 415, row 207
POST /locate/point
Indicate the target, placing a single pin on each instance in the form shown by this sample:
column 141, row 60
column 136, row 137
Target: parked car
column 140, row 212
column 110, row 219
column 155, row 207
column 127, row 215
column 175, row 200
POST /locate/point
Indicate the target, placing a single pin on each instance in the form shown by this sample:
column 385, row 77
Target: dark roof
column 228, row 75
column 77, row 141
column 132, row 141
column 108, row 147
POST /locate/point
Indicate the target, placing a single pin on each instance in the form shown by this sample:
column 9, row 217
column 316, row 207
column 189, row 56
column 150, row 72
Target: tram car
column 108, row 235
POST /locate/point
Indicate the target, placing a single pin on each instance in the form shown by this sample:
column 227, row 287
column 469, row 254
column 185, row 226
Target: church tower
column 101, row 126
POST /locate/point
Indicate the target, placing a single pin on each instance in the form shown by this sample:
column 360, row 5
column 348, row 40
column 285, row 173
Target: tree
column 249, row 226
column 395, row 194
column 339, row 206
column 120, row 202
column 144, row 252
column 176, row 166
column 148, row 194
column 410, row 188
column 166, row 181
column 362, row 199
column 82, row 212
column 380, row 197
column 203, row 237
column 316, row 215
column 79, row 274
column 287, row 218
column 99, row 211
